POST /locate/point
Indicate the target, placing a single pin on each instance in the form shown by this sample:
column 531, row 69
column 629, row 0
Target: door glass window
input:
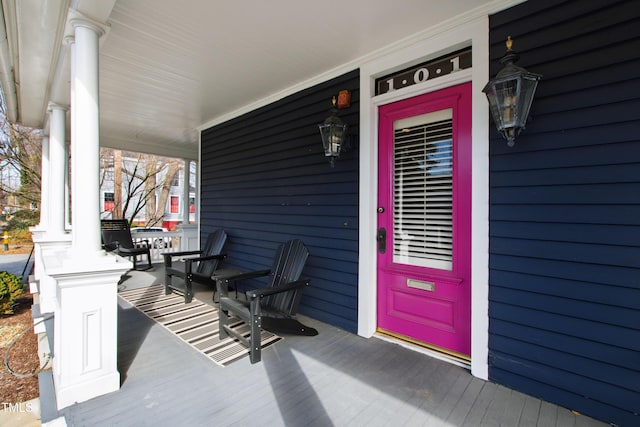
column 423, row 188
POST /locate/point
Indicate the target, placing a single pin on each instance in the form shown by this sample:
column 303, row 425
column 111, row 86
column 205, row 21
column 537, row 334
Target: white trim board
column 468, row 32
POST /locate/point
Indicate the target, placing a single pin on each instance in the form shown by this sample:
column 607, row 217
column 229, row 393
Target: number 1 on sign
column 455, row 62
column 390, row 83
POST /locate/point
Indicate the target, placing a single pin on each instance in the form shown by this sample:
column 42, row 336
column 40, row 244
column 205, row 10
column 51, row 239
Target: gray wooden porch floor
column 334, row 379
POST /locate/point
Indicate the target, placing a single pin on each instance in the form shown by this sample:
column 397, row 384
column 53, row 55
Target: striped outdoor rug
column 195, row 323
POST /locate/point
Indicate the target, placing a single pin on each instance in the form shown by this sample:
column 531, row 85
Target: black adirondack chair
column 272, row 308
column 116, row 237
column 197, row 269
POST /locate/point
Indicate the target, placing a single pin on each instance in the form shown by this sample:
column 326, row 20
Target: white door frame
column 467, row 30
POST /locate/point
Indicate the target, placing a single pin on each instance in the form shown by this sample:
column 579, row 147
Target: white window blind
column 423, row 189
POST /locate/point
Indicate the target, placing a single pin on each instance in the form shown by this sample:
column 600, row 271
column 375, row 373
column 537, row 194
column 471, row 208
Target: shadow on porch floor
column 334, row 379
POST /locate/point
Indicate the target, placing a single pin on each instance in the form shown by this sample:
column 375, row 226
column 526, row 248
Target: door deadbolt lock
column 382, row 240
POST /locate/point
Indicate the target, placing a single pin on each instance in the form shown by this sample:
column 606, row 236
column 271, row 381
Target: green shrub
column 10, row 289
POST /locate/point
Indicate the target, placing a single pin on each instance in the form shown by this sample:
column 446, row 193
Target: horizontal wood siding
column 565, row 211
column 265, row 180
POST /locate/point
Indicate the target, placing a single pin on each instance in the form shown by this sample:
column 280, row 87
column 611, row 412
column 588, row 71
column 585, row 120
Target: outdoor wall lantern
column 510, row 94
column 333, row 130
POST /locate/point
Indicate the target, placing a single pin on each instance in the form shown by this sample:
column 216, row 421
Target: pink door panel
column 424, row 219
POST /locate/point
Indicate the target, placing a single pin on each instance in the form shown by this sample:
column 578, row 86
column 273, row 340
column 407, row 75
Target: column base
column 85, row 325
column 86, row 390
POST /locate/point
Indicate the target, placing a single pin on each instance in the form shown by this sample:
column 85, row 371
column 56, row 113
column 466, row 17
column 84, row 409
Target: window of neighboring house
column 175, row 204
column 192, row 204
column 109, row 202
column 176, row 180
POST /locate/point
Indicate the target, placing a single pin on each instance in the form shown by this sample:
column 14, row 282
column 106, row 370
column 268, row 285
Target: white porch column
column 185, row 191
column 189, row 239
column 70, row 41
column 85, row 138
column 57, row 170
column 50, row 235
column 39, row 231
column 44, row 183
column 85, row 322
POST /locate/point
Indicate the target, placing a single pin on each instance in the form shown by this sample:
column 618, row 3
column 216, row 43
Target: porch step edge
column 48, row 406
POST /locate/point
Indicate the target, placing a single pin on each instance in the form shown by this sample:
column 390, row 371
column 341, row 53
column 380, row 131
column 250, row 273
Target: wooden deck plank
column 378, row 367
column 436, row 414
column 497, row 407
column 335, row 378
column 530, row 412
column 334, row 391
column 412, row 391
column 479, row 409
column 466, row 401
column 299, row 375
column 392, row 402
column 584, row 421
column 513, row 410
column 434, row 392
column 566, row 418
column 292, row 379
column 548, row 414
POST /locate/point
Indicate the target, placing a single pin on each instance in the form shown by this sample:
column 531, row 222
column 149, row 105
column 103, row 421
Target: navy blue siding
column 565, row 211
column 265, row 180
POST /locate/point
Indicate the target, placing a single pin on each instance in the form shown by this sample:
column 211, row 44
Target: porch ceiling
column 169, row 67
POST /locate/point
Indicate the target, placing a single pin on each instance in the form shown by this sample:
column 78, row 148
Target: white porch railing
column 167, row 241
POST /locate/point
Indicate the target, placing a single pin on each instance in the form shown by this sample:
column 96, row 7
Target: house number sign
column 426, row 71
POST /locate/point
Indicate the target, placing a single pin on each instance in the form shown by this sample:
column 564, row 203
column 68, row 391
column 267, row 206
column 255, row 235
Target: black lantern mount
column 510, row 94
column 333, row 130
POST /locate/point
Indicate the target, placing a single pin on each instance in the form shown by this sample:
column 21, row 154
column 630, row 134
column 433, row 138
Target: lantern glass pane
column 332, row 137
column 527, row 90
column 493, row 105
column 506, row 102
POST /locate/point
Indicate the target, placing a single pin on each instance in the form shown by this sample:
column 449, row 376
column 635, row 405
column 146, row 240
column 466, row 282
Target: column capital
column 76, row 19
column 54, row 106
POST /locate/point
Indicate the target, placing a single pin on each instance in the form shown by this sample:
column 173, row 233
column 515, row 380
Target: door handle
column 382, row 240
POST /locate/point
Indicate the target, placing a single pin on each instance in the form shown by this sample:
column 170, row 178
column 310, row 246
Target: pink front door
column 424, row 219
